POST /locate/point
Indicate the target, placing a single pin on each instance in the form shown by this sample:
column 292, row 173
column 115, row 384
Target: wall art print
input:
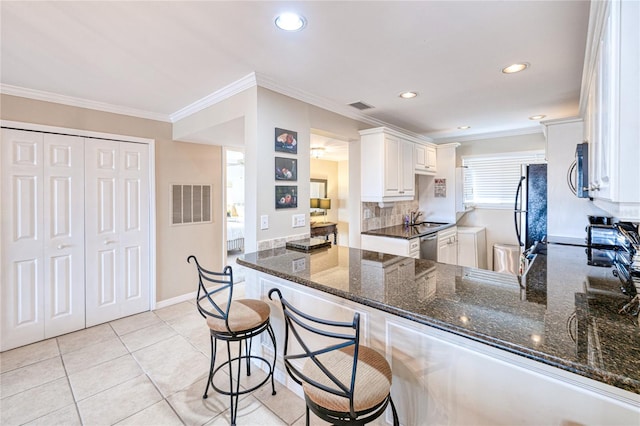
column 286, row 141
column 286, row 197
column 286, row 169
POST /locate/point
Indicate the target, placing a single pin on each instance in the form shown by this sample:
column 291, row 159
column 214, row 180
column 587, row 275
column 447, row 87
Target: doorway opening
column 329, row 173
column 235, row 217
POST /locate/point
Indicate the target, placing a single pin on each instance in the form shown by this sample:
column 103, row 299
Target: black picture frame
column 286, row 141
column 286, row 169
column 286, row 197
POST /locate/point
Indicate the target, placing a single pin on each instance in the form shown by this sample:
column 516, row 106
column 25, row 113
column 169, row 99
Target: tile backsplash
column 376, row 217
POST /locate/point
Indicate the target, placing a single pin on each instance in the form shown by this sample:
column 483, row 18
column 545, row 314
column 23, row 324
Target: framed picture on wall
column 286, row 141
column 286, row 197
column 286, row 169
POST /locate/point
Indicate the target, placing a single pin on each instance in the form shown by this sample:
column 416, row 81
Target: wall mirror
column 317, row 189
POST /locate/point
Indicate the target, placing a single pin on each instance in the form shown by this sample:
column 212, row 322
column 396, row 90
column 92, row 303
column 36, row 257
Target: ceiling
column 155, row 59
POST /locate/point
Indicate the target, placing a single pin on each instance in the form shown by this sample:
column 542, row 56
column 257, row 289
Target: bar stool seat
column 372, row 385
column 244, row 314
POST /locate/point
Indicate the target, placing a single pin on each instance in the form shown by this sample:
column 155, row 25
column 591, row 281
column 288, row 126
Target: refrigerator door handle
column 517, row 211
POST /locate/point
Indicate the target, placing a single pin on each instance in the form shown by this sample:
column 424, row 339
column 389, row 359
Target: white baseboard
column 178, row 299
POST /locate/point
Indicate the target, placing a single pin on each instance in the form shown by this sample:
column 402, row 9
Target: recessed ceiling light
column 408, row 95
column 290, row 21
column 513, row 68
column 464, row 127
column 537, row 117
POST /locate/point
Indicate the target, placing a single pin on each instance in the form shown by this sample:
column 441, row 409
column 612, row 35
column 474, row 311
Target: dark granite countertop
column 564, row 313
column 410, row 231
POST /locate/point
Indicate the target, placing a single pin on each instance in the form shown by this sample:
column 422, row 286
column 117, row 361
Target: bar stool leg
column 396, row 422
column 214, row 346
column 248, row 351
column 275, row 352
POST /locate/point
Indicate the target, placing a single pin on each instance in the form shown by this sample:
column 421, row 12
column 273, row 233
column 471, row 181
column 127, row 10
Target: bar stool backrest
column 218, row 283
column 298, row 323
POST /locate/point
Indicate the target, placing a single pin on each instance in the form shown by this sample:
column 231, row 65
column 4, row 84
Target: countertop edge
column 433, row 230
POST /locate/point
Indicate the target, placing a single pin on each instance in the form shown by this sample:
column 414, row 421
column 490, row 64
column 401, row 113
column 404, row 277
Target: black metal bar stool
column 344, row 383
column 234, row 321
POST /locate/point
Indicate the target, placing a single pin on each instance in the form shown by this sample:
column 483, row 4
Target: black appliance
column 530, row 210
column 602, row 243
column 627, row 260
column 582, row 170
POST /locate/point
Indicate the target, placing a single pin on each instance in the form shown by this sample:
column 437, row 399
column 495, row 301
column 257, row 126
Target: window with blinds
column 491, row 180
column 190, row 204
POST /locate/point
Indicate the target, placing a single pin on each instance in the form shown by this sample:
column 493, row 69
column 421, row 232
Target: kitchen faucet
column 414, row 217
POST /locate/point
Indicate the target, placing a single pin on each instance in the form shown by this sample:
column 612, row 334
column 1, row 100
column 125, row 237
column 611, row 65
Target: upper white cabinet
column 611, row 107
column 425, row 159
column 387, row 166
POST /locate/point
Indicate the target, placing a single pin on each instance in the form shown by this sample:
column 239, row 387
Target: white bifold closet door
column 42, row 236
column 116, row 229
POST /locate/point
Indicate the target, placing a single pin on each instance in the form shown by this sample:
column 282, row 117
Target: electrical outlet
column 264, row 221
column 298, row 220
column 367, row 213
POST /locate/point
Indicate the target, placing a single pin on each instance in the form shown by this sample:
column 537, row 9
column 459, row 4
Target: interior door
column 117, row 230
column 42, row 236
column 22, row 238
column 64, row 234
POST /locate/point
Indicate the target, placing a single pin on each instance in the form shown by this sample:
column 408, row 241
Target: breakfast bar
column 470, row 346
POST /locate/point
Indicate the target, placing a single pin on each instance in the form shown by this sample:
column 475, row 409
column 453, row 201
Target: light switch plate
column 264, row 221
column 298, row 220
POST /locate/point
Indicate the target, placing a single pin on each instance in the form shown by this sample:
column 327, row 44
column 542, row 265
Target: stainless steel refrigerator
column 530, row 211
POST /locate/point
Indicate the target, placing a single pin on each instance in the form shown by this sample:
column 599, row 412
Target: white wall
column 566, row 213
column 441, row 209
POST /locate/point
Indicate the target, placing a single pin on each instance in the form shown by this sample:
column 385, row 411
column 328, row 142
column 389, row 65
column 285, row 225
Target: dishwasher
column 429, row 247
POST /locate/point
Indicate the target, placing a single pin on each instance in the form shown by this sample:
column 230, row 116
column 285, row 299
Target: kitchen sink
column 430, row 224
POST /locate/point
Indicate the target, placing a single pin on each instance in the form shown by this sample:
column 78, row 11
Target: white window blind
column 491, row 180
column 190, row 204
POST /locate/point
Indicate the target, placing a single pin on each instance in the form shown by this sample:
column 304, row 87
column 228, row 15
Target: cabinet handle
column 107, row 242
column 63, row 246
column 401, row 192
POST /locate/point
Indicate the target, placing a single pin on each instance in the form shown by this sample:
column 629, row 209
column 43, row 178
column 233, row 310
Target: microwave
column 582, row 170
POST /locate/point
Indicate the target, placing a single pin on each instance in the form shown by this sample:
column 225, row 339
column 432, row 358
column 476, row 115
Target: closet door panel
column 134, row 172
column 64, row 234
column 22, row 238
column 117, row 234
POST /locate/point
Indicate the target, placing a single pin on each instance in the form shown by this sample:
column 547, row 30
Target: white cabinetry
column 425, row 159
column 387, row 166
column 612, row 107
column 448, row 246
column 472, row 247
column 396, row 246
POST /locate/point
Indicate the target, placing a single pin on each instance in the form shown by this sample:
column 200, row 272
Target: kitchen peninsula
column 469, row 346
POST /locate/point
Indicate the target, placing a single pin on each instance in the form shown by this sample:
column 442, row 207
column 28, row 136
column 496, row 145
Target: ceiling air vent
column 360, row 105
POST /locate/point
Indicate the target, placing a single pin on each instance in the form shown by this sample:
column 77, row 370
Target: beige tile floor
column 147, row 369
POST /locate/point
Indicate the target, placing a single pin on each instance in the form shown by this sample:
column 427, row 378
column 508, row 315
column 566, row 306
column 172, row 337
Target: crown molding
column 41, row 95
column 491, row 135
column 246, row 82
column 267, row 82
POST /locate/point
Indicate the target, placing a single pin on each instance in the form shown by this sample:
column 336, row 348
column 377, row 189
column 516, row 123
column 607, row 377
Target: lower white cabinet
column 397, row 246
column 448, row 246
column 472, row 247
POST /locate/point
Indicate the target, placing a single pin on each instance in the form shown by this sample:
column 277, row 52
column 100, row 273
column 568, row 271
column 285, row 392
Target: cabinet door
column 420, row 152
column 405, row 166
column 392, row 155
column 431, row 158
column 467, row 254
column 117, row 230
